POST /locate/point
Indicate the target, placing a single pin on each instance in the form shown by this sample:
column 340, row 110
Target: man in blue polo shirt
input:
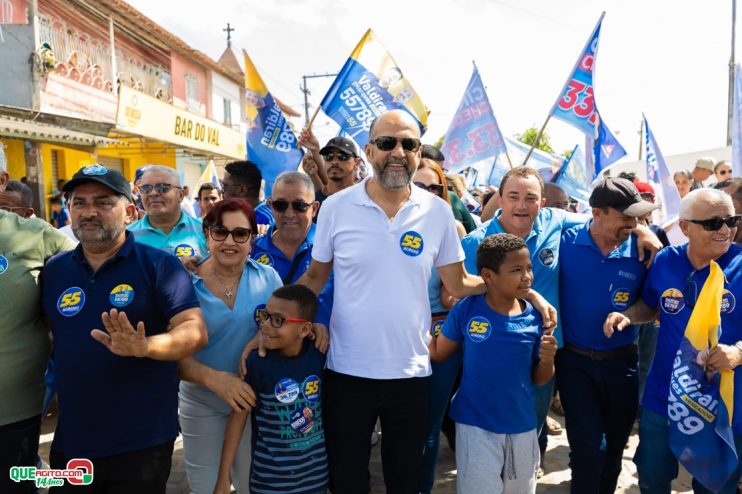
column 597, row 376
column 521, row 200
column 165, row 226
column 118, row 388
column 671, row 289
column 287, row 246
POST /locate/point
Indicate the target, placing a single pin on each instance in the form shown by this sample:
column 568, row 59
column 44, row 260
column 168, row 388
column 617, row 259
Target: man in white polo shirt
column 382, row 238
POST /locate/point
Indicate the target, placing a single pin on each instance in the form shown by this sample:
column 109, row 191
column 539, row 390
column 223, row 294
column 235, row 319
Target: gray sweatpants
column 496, row 463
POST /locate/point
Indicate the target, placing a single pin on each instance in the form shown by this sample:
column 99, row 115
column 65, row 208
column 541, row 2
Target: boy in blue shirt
column 288, row 440
column 505, row 354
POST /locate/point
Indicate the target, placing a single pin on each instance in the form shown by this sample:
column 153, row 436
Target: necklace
column 228, row 291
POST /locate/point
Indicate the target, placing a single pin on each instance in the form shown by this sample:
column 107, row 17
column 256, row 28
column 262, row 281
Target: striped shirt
column 288, row 439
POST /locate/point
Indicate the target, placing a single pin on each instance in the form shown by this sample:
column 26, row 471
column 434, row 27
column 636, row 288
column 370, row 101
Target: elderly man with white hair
column 165, row 226
column 670, row 292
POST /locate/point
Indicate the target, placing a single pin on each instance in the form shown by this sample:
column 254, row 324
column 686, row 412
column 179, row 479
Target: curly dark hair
column 493, row 249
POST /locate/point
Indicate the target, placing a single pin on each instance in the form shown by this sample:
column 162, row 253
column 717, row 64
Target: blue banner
column 737, row 123
column 576, row 106
column 473, row 135
column 271, row 143
column 369, row 84
column 700, row 403
column 574, row 178
column 658, row 175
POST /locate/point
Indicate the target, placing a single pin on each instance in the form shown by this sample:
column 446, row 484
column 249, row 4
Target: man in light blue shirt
column 164, row 225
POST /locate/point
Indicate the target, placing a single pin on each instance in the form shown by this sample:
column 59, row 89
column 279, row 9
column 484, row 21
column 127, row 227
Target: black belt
column 616, row 353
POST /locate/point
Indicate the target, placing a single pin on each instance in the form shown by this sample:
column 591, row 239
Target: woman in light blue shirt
column 229, row 287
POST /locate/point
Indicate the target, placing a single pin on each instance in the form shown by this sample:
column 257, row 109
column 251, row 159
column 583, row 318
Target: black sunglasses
column 281, row 205
column 339, row 156
column 388, row 143
column 239, row 235
column 714, row 224
column 160, row 188
column 690, row 291
column 432, row 188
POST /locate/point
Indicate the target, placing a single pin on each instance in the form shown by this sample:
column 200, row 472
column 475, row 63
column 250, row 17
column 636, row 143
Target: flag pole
column 507, row 155
column 535, row 142
column 311, row 120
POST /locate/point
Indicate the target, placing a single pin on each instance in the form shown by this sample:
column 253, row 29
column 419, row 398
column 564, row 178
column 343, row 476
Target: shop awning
column 37, row 131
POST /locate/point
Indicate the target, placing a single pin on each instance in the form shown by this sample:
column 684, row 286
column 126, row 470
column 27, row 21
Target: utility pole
column 730, row 106
column 307, row 92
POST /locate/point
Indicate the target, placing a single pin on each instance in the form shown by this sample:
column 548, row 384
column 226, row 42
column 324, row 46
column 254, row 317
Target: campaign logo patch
column 184, row 250
column 302, row 420
column 479, row 329
column 286, row 390
column 411, row 243
column 672, row 301
column 3, row 264
column 310, row 389
column 255, row 313
column 620, row 298
column 436, row 329
column 71, row 301
column 265, row 259
column 95, row 169
column 546, row 256
column 122, row 295
column 728, row 302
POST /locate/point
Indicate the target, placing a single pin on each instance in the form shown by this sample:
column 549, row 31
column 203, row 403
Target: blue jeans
column 647, row 342
column 600, row 400
column 441, row 383
column 656, row 464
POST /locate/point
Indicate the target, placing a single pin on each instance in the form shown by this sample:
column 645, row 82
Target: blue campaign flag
column 576, row 105
column 701, row 401
column 574, row 178
column 473, row 135
column 369, row 84
column 658, row 175
column 737, row 123
column 271, row 143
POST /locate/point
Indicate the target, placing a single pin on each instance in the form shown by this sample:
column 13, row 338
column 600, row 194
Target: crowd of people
column 343, row 300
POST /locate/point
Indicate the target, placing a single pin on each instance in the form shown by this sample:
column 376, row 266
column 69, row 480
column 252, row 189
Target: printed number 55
column 478, row 327
column 411, row 241
column 70, row 299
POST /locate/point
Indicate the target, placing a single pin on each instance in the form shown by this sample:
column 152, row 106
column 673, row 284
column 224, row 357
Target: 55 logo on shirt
column 411, row 243
column 479, row 329
column 71, row 301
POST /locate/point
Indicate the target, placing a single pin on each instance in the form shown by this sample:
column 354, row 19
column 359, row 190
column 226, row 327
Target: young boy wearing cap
column 505, row 354
column 288, row 442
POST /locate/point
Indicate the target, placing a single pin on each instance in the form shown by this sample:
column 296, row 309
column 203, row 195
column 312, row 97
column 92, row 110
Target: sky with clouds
column 668, row 59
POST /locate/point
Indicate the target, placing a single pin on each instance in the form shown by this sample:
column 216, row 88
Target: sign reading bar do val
column 141, row 114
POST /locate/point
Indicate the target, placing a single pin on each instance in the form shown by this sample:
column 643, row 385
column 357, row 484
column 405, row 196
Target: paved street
column 555, row 481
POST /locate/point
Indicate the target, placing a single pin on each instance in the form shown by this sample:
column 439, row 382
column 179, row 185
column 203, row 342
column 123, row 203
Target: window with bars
column 193, row 99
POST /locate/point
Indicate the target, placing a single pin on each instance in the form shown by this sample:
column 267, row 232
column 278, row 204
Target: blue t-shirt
column 434, row 293
column 185, row 239
column 264, row 215
column 543, row 244
column 592, row 285
column 109, row 404
column 265, row 252
column 496, row 392
column 230, row 330
column 673, row 286
column 60, row 217
column 288, row 433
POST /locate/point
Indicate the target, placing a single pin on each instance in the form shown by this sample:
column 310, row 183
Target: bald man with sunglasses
column 381, row 239
column 670, row 292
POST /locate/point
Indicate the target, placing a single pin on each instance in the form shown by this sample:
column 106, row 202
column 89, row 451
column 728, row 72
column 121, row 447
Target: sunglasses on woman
column 239, row 235
column 388, row 143
column 432, row 188
column 714, row 224
column 281, row 205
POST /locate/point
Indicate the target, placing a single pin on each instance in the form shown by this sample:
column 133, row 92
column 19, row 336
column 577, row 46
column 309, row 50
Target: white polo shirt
column 381, row 314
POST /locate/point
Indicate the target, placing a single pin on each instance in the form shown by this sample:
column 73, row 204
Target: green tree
column 529, row 137
column 439, row 142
